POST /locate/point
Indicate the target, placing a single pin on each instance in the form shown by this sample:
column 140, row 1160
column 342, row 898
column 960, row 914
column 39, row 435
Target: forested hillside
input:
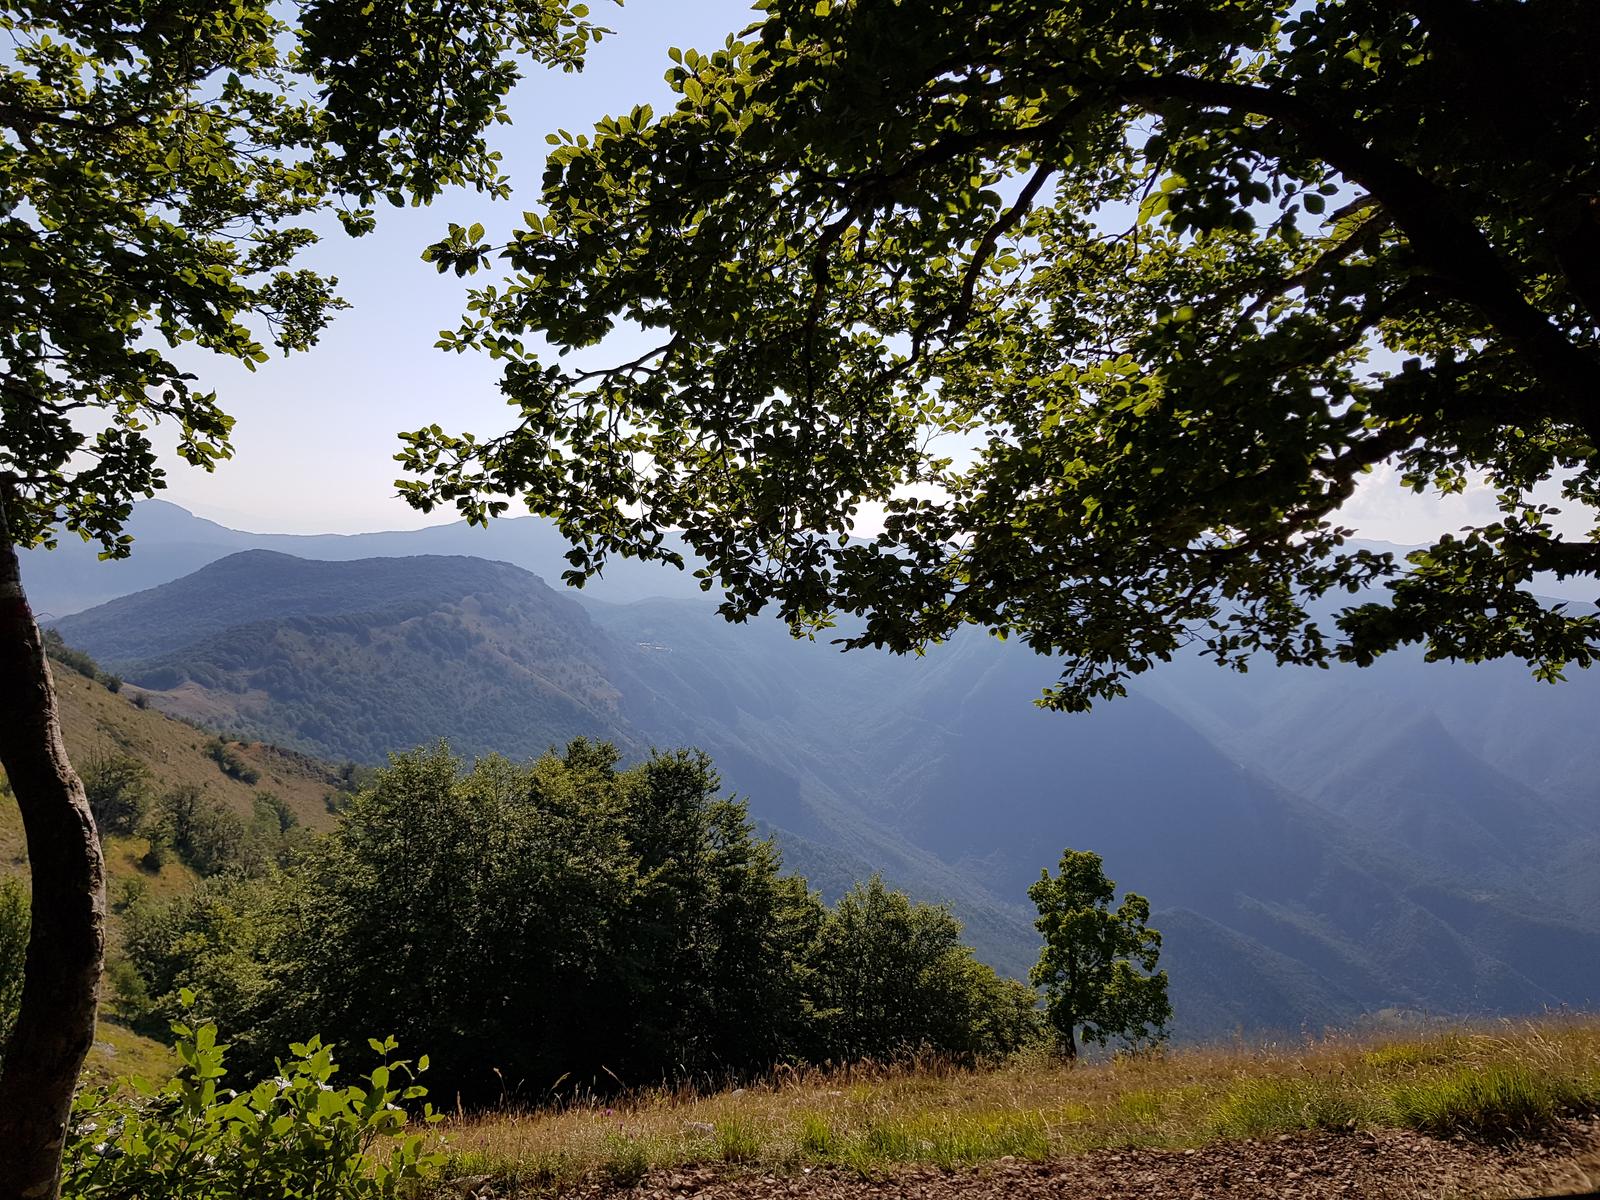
column 1304, row 887
column 563, row 920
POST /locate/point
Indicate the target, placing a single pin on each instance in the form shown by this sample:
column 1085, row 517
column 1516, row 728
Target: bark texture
column 66, row 945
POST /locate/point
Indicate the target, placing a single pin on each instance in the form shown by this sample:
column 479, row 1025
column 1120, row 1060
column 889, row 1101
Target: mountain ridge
column 939, row 772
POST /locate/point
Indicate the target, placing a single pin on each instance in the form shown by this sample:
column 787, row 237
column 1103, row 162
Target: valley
column 1320, row 848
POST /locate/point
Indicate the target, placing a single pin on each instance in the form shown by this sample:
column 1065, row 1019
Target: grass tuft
column 1401, row 1056
column 816, row 1137
column 627, row 1162
column 739, row 1140
column 1495, row 1103
column 1259, row 1107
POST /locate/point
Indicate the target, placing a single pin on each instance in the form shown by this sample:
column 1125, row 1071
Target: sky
column 317, row 432
column 315, row 437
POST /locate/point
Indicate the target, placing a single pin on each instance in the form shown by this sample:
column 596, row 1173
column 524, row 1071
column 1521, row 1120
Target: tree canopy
column 1110, row 305
column 1098, row 964
column 163, row 164
column 564, row 925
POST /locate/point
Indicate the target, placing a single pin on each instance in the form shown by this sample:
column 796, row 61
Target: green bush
column 78, row 661
column 13, row 951
column 119, row 790
column 294, row 1136
column 211, row 839
column 230, row 763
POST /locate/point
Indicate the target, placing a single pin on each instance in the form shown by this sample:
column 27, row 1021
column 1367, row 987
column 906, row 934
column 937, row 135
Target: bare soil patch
column 1380, row 1164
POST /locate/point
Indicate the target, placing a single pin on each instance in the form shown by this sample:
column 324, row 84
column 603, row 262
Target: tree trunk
column 66, row 945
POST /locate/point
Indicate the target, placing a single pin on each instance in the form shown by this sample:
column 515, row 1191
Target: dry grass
column 1511, row 1079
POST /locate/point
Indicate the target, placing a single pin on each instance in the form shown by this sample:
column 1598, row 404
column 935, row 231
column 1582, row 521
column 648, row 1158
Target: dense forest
column 568, row 923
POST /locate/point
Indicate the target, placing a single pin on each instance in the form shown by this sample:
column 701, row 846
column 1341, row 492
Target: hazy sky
column 315, row 439
column 316, row 432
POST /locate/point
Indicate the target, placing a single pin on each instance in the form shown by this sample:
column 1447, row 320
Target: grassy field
column 1492, row 1083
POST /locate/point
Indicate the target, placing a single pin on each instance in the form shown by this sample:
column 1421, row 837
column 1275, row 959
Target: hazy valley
column 1319, row 847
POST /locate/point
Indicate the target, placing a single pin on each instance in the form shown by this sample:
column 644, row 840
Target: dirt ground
column 1384, row 1165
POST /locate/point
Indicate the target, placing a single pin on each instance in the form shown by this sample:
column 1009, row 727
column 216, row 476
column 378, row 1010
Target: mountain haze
column 1314, row 851
column 353, row 660
column 172, row 542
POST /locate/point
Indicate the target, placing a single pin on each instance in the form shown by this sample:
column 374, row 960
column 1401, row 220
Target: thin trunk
column 66, row 945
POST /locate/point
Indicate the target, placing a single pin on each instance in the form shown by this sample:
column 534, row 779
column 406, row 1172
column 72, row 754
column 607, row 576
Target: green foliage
column 210, row 838
column 627, row 1161
column 890, row 977
column 738, row 1140
column 229, row 762
column 160, row 175
column 296, row 1135
column 1502, row 1100
column 948, row 1140
column 567, row 924
column 78, row 661
column 119, row 788
column 1110, row 305
column 1274, row 1104
column 14, row 922
column 1098, row 965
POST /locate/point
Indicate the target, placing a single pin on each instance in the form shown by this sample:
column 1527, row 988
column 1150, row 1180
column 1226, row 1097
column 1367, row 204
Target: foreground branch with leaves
column 1110, row 306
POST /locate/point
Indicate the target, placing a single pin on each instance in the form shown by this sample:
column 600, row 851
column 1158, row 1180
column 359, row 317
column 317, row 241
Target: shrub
column 212, row 839
column 118, row 788
column 13, row 951
column 229, row 762
column 296, row 1135
column 77, row 660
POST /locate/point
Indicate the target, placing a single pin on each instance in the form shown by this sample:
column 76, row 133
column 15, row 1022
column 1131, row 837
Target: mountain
column 353, row 660
column 1318, row 845
column 172, row 542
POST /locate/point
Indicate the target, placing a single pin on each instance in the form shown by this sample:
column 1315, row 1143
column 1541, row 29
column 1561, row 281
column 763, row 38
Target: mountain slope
column 1304, row 904
column 170, row 543
column 358, row 659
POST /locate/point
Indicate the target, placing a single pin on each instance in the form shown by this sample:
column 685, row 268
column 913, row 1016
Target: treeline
column 562, row 924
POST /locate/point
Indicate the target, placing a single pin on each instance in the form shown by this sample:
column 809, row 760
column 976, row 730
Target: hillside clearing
column 1492, row 1111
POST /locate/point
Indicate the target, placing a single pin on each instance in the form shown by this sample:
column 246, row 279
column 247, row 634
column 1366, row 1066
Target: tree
column 1110, row 305
column 161, row 162
column 890, row 977
column 118, row 787
column 1098, row 965
column 526, row 925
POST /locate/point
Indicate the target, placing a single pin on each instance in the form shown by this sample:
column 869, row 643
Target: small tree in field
column 1098, row 966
